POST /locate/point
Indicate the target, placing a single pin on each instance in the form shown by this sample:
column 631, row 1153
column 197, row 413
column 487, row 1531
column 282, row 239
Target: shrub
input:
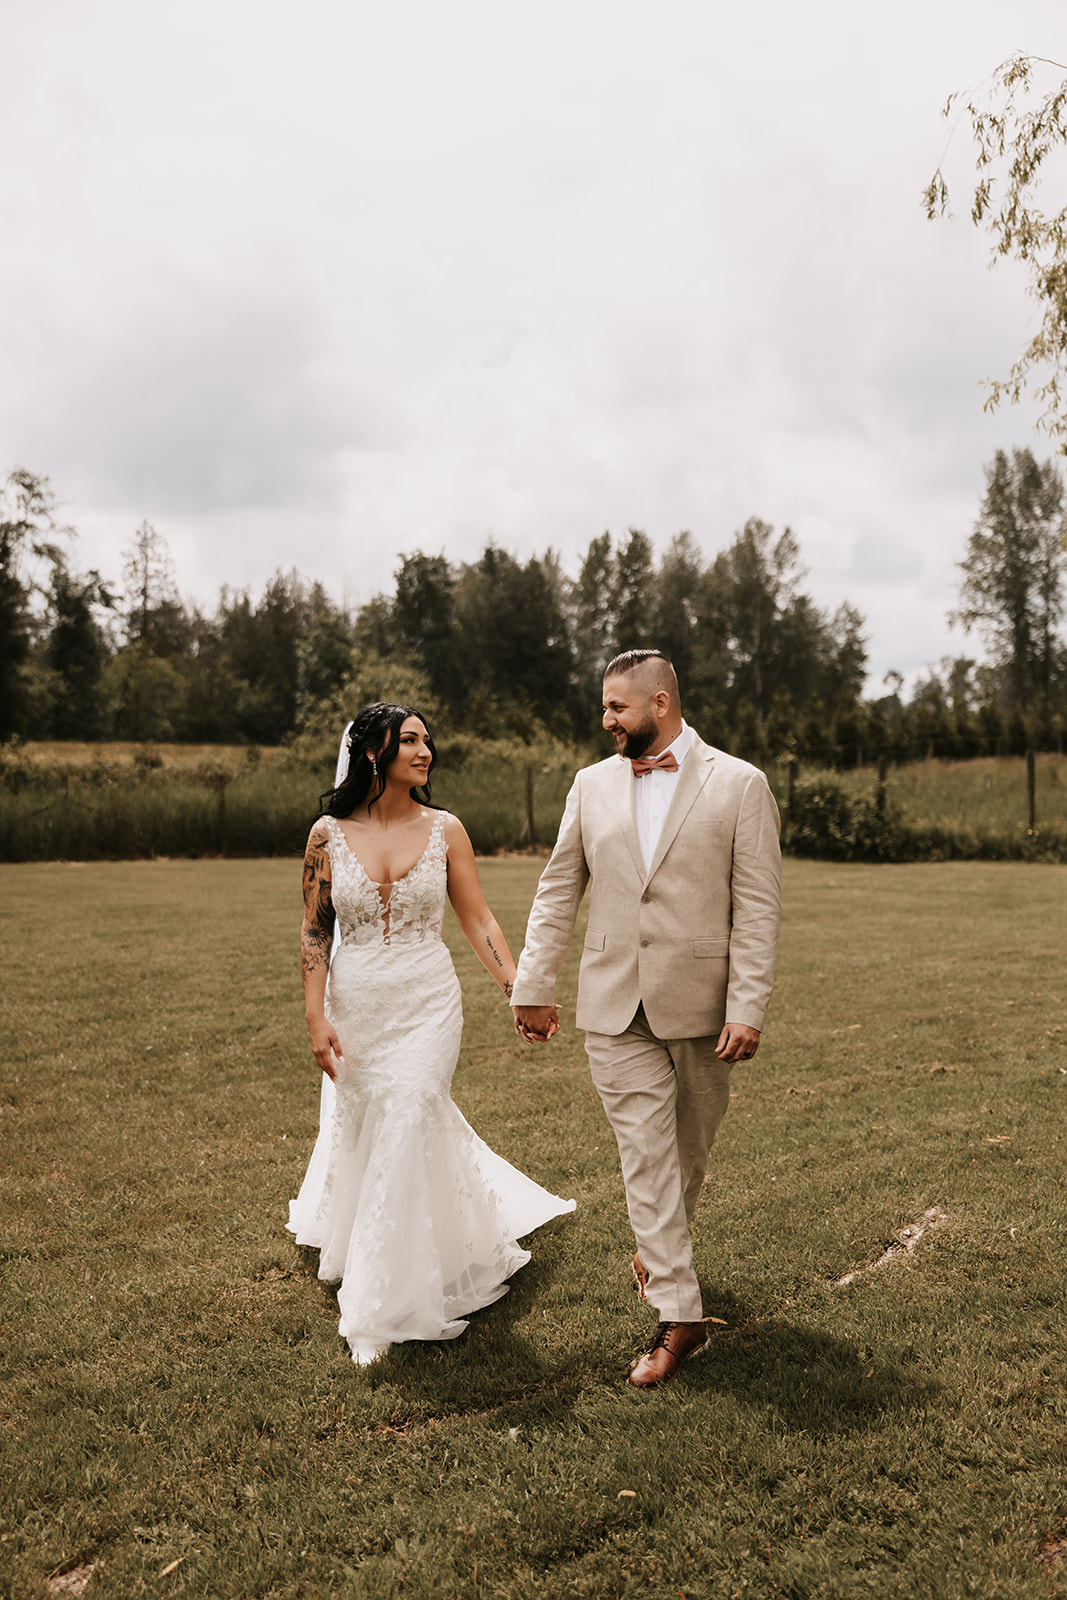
column 825, row 820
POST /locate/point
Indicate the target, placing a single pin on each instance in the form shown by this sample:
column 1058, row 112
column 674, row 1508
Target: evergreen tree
column 633, row 598
column 593, row 611
column 424, row 622
column 675, row 607
column 513, row 641
column 760, row 636
column 374, row 629
column 324, row 648
column 1012, row 589
column 212, row 711
column 156, row 619
column 28, row 534
column 263, row 645
column 846, row 658
column 77, row 651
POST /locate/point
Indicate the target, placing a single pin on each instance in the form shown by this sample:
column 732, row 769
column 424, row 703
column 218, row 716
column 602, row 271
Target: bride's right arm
column 316, row 936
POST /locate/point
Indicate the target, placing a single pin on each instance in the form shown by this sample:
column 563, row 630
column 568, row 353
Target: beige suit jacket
column 693, row 938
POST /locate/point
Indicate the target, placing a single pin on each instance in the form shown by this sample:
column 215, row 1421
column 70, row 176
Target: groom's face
column 628, row 716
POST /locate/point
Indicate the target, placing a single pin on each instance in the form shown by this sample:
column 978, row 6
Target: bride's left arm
column 475, row 918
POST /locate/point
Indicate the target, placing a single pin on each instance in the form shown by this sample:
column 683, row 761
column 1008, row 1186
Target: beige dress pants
column 664, row 1099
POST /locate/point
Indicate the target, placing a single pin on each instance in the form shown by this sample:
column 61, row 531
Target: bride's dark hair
column 374, row 733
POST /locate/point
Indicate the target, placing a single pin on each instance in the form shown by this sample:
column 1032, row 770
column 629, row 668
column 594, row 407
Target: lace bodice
column 415, row 907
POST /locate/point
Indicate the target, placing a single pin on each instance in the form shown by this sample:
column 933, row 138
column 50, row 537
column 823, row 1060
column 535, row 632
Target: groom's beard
column 639, row 739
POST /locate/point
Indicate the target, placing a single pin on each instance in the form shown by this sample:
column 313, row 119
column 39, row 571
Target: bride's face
column 411, row 765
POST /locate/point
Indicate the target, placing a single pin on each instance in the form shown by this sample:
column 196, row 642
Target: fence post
column 1031, row 785
column 879, row 799
column 792, row 787
column 529, row 807
column 219, row 780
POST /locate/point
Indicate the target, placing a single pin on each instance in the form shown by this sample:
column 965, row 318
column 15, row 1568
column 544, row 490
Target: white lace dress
column 412, row 1213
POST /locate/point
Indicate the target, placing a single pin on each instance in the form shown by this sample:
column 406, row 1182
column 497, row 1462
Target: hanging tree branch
column 1015, row 139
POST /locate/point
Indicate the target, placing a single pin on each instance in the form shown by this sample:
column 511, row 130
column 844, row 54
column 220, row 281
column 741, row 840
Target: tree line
column 502, row 647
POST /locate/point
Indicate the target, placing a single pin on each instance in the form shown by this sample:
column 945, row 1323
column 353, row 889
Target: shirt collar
column 681, row 746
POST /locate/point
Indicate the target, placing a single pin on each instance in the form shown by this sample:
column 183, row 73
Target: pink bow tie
column 667, row 762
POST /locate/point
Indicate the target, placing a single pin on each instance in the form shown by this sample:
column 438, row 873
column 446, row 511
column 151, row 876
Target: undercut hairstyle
column 630, row 660
column 375, row 732
column 656, row 674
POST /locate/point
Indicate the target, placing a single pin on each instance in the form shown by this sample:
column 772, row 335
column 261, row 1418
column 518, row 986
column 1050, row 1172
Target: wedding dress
column 412, row 1213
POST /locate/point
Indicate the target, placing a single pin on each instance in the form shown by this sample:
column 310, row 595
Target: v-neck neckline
column 385, row 899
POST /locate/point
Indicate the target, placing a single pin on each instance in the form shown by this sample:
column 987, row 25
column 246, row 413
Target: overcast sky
column 314, row 285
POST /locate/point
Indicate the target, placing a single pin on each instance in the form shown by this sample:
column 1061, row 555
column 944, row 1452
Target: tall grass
column 57, row 754
column 170, row 812
column 933, row 811
column 181, row 1418
column 161, row 802
column 488, row 794
column 115, row 810
column 987, row 795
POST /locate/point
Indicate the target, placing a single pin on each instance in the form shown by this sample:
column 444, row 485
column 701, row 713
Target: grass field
column 181, row 1419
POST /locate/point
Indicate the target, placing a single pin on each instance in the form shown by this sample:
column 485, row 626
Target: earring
column 374, row 767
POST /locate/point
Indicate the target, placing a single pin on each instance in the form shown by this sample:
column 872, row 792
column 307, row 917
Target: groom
column 678, row 844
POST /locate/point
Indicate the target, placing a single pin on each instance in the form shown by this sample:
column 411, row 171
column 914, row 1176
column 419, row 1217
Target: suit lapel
column 695, row 772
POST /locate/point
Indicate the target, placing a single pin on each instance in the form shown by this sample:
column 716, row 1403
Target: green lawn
column 180, row 1415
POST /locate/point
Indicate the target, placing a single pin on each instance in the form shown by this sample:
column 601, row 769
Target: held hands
column 536, row 1023
column 737, row 1042
column 325, row 1045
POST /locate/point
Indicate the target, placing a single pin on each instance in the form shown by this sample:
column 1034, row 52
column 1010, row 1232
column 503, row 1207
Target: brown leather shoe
column 640, row 1277
column 674, row 1343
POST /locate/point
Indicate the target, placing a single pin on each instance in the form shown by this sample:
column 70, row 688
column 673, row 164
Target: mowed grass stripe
column 175, row 1391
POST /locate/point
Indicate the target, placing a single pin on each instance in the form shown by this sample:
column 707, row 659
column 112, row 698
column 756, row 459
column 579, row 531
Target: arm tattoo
column 507, row 990
column 314, row 952
column 316, row 933
column 493, row 953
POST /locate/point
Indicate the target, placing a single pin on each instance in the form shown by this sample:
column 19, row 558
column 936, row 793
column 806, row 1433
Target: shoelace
column 663, row 1332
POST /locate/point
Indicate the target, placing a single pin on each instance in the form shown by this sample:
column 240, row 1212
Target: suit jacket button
column 644, row 943
column 646, row 899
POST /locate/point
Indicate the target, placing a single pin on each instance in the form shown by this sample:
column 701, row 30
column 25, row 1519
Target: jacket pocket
column 711, row 948
column 594, row 940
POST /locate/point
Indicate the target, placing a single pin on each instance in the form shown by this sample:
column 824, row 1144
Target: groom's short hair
column 629, row 660
column 658, row 673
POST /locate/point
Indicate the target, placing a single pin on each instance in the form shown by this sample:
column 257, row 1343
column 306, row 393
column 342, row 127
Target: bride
column 411, row 1212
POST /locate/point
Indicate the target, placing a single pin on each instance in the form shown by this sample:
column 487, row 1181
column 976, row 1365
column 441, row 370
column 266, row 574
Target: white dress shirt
column 653, row 794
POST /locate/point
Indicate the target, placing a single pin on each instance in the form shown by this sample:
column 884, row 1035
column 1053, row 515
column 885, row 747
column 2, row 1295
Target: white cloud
column 317, row 287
